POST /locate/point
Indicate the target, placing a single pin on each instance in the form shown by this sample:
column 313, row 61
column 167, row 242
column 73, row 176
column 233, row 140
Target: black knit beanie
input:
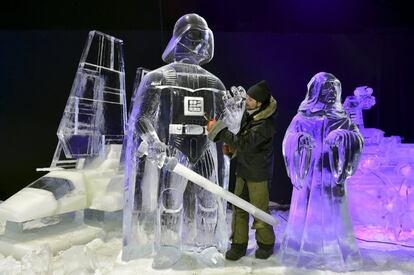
column 259, row 91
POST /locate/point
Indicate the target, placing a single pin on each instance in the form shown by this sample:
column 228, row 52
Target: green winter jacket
column 253, row 143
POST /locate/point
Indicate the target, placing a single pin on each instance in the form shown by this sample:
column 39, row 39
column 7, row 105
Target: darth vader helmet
column 192, row 41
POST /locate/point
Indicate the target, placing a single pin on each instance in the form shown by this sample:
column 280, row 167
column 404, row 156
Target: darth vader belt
column 187, row 129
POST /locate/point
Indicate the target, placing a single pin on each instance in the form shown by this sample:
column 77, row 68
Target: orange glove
column 210, row 124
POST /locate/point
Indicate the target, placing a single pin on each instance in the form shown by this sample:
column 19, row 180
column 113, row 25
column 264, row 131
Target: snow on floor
column 101, row 256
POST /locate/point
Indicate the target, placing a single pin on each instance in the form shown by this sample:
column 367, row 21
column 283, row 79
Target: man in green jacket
column 253, row 148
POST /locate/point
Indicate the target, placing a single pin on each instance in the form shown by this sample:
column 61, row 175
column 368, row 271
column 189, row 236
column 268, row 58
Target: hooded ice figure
column 163, row 213
column 321, row 149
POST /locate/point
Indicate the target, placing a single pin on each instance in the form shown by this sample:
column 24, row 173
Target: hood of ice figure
column 323, row 97
column 192, row 40
column 268, row 111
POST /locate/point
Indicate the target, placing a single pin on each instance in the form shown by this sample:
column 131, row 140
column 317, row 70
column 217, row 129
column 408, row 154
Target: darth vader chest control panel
column 193, row 106
column 189, row 112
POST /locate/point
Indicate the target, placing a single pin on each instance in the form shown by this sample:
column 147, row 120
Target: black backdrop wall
column 38, row 67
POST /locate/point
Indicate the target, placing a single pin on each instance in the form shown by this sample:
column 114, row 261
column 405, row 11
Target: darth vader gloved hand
column 151, row 145
column 234, row 105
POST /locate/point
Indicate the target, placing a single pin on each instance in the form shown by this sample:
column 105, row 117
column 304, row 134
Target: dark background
column 285, row 42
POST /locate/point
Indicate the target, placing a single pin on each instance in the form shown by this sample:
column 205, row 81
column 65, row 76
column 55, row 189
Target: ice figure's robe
column 321, row 149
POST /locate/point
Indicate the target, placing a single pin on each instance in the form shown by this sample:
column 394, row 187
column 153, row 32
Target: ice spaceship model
column 84, row 170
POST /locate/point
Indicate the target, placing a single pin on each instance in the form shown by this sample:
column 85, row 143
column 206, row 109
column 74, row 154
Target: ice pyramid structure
column 95, row 113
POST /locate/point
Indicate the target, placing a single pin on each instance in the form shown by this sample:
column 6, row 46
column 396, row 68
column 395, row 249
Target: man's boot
column 264, row 251
column 236, row 251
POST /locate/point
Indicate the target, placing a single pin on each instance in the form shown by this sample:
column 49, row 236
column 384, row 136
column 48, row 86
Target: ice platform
column 57, row 237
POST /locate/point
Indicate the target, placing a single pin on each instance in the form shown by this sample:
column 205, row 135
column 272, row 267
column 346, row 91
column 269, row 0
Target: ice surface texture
column 321, row 149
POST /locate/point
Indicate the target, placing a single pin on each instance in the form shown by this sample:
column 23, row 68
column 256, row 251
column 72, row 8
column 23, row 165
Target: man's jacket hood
column 268, row 111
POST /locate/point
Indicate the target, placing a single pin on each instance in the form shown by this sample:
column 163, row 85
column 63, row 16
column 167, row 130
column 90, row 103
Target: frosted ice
column 79, row 259
column 102, row 258
column 9, row 266
column 170, row 106
column 321, row 149
column 38, row 261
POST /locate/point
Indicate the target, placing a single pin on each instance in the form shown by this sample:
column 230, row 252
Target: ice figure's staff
column 171, row 164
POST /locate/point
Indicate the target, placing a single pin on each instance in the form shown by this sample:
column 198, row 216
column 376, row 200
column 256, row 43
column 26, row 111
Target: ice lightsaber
column 149, row 136
column 173, row 165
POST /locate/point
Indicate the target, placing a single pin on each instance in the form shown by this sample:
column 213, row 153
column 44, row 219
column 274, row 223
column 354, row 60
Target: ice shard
column 321, row 149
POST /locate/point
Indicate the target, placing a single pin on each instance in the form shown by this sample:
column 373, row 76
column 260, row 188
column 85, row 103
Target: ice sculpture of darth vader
column 321, row 149
column 164, row 213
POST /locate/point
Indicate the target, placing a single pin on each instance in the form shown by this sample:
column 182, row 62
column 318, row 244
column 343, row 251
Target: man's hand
column 214, row 128
column 210, row 124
